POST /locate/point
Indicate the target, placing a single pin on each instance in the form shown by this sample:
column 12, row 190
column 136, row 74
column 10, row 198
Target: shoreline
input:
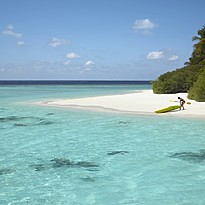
column 142, row 102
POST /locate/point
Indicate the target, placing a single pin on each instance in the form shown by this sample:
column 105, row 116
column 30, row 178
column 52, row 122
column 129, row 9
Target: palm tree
column 198, row 55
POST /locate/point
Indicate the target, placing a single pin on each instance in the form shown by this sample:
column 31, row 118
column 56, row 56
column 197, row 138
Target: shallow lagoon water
column 63, row 156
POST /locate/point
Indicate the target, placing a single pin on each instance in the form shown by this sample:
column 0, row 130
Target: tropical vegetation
column 190, row 78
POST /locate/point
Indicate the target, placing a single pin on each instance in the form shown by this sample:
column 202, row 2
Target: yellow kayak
column 167, row 109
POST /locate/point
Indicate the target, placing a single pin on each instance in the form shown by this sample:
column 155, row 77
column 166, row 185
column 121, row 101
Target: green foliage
column 198, row 55
column 190, row 78
column 177, row 81
column 197, row 92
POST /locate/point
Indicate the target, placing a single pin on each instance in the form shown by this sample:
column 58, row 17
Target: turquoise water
column 63, row 156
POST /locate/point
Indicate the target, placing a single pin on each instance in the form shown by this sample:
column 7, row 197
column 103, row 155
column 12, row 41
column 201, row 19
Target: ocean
column 59, row 156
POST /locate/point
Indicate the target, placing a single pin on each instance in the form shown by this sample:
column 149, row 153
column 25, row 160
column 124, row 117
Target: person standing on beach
column 182, row 102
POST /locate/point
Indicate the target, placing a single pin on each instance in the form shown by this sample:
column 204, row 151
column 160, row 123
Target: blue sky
column 96, row 39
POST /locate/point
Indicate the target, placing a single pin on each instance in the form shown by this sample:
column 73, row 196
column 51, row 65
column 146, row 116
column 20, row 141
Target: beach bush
column 178, row 81
column 197, row 92
column 190, row 78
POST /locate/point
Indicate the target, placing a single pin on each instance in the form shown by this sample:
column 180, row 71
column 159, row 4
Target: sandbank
column 140, row 102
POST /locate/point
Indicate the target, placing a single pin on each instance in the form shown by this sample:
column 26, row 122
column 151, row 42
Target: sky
column 96, row 39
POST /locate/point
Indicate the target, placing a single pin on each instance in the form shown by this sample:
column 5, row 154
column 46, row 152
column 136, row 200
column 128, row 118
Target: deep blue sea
column 60, row 156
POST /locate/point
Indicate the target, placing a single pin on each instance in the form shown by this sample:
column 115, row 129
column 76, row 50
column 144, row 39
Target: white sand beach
column 141, row 102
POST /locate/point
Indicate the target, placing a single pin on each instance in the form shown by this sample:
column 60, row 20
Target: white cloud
column 88, row 66
column 56, row 42
column 89, row 63
column 9, row 31
column 10, row 27
column 166, row 55
column 144, row 26
column 85, row 69
column 21, row 43
column 154, row 55
column 66, row 62
column 174, row 58
column 72, row 55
